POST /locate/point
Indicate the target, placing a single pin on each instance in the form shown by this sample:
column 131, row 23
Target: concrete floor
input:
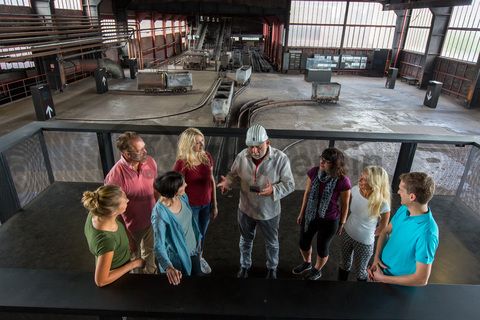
column 364, row 105
column 49, row 244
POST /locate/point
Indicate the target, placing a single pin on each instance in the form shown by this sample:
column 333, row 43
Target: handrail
column 30, row 129
column 51, row 291
column 408, row 145
column 25, row 90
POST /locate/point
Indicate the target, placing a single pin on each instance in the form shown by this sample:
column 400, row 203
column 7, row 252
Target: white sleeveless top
column 360, row 226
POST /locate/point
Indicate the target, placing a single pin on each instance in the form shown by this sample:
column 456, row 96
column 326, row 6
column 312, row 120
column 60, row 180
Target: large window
column 16, row 52
column 368, row 26
column 463, row 35
column 22, row 3
column 146, row 28
column 418, row 30
column 109, row 32
column 321, row 23
column 68, row 4
column 16, row 65
column 316, row 23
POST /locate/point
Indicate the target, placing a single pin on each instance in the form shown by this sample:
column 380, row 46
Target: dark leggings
column 326, row 229
column 196, row 269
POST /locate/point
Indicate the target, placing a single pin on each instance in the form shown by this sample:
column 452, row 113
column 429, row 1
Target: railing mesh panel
column 27, row 166
column 75, row 156
column 303, row 155
column 470, row 193
column 358, row 155
column 445, row 163
column 162, row 148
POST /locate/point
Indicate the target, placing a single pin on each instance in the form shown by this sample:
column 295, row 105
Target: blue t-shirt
column 413, row 239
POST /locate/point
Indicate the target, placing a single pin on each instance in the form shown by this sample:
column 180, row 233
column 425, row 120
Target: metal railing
column 47, row 147
column 18, row 89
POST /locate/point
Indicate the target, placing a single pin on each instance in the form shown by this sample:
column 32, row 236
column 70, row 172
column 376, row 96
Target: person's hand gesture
column 174, row 276
column 224, row 185
column 375, row 270
column 137, row 263
column 267, row 190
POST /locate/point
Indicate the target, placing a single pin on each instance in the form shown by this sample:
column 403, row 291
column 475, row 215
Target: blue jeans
column 201, row 214
column 248, row 228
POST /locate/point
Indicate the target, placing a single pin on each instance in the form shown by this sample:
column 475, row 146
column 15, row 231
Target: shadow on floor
column 48, row 234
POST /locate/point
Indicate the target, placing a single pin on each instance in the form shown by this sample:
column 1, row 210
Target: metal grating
column 445, row 163
column 74, row 156
column 303, row 155
column 361, row 154
column 27, row 166
column 470, row 193
column 161, row 148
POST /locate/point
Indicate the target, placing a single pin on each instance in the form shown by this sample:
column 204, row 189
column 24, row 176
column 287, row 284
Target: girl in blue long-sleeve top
column 177, row 237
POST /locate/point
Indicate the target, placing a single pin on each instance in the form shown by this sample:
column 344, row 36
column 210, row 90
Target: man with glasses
column 135, row 173
column 265, row 177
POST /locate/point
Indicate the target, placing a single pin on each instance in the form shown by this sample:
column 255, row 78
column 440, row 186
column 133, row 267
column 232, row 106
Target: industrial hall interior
column 280, row 159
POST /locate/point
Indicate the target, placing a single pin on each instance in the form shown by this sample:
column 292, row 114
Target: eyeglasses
column 323, row 160
column 137, row 152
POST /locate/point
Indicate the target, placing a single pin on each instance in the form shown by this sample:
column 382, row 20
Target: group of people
column 140, row 222
column 165, row 222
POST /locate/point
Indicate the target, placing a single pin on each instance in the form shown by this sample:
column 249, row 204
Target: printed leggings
column 360, row 252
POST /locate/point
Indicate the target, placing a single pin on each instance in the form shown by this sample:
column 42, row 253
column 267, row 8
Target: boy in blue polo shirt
column 406, row 248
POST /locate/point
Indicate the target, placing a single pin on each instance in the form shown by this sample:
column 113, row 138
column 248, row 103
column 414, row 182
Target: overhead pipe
column 89, row 65
column 63, row 44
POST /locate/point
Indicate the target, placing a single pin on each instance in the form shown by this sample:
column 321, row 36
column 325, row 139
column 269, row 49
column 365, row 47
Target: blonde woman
column 370, row 203
column 107, row 238
column 196, row 166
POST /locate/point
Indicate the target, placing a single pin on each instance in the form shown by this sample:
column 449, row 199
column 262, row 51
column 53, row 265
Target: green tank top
column 101, row 242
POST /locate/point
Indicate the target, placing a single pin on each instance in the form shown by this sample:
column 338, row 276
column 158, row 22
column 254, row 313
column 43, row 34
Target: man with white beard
column 265, row 177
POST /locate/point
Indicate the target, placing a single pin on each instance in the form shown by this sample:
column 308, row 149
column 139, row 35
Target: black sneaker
column 314, row 274
column 271, row 274
column 242, row 273
column 301, row 268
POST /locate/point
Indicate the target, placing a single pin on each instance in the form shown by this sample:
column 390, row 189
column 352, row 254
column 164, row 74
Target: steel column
column 342, row 39
column 436, row 37
column 106, row 151
column 401, row 29
column 404, row 162
column 473, row 94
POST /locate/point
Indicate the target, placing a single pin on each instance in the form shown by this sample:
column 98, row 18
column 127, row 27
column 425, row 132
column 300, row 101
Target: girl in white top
column 370, row 203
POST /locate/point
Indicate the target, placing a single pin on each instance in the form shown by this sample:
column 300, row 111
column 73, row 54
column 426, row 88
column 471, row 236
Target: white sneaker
column 204, row 266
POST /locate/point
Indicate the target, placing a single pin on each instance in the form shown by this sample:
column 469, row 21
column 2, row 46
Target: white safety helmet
column 256, row 135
